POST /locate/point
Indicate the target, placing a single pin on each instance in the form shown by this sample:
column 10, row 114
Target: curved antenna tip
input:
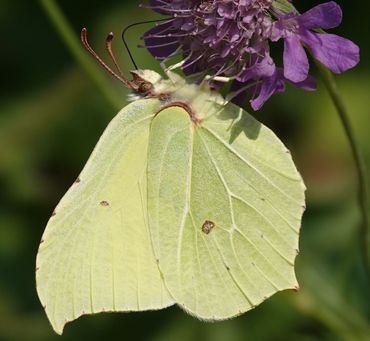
column 110, row 37
column 87, row 46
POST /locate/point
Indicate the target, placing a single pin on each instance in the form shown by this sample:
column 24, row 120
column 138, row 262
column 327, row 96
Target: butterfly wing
column 96, row 254
column 225, row 205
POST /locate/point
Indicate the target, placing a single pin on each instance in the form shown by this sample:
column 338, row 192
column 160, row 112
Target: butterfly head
column 148, row 83
column 143, row 81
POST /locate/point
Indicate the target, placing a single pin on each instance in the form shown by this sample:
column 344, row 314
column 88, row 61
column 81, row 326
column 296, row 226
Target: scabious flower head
column 231, row 38
column 216, row 37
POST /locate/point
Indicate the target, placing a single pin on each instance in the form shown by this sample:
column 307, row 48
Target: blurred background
column 55, row 103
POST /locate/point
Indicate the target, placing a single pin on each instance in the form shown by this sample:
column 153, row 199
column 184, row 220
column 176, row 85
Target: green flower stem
column 70, row 39
column 363, row 194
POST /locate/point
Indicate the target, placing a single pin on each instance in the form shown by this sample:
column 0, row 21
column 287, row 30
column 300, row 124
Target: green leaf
column 225, row 208
column 96, row 253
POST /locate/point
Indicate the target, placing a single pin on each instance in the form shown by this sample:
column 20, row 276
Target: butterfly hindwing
column 225, row 203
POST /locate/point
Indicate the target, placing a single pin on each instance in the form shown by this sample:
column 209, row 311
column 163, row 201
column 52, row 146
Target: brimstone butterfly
column 186, row 199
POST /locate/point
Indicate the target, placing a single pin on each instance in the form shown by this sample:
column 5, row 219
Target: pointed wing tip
column 55, row 325
column 59, row 331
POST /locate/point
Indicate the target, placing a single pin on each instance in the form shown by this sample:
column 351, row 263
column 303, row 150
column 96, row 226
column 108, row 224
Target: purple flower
column 336, row 53
column 231, row 38
column 269, row 86
column 215, row 37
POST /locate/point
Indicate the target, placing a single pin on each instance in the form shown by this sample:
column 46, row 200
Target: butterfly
column 186, row 199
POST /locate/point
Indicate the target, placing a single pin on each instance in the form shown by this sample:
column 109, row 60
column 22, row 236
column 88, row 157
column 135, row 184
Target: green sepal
column 284, row 6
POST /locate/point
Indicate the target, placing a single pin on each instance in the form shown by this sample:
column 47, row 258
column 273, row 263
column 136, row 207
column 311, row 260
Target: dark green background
column 51, row 116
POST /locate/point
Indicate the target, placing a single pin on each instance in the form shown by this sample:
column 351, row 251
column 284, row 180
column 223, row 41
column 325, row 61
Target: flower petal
column 324, row 16
column 336, row 53
column 309, row 84
column 260, row 69
column 296, row 64
column 157, row 6
column 270, row 86
column 158, row 44
column 277, row 30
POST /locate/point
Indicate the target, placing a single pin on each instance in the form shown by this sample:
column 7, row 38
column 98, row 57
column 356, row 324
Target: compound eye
column 144, row 88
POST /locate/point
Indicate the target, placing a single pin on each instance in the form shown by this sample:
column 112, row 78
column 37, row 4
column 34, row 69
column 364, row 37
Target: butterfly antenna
column 133, row 25
column 108, row 45
column 87, row 46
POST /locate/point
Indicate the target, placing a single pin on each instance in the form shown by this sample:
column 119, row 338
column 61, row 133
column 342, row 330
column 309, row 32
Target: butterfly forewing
column 96, row 253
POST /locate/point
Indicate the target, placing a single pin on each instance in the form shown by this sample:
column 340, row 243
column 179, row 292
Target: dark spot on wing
column 104, row 203
column 78, row 180
column 208, row 226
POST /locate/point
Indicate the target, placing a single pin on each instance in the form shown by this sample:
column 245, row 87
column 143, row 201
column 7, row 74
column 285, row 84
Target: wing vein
column 268, row 221
column 248, row 163
column 198, row 259
column 232, row 209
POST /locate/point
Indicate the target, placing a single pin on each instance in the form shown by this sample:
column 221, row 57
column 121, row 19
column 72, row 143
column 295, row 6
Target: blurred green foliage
column 51, row 116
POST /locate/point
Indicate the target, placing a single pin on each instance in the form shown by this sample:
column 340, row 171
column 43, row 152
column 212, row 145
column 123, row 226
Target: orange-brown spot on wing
column 208, row 226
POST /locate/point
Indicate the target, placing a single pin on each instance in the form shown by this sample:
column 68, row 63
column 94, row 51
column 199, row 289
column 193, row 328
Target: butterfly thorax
column 199, row 101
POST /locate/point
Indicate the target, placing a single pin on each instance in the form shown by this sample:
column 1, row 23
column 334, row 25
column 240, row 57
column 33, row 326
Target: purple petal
column 264, row 68
column 160, row 45
column 269, row 86
column 324, row 16
column 226, row 10
column 277, row 30
column 336, row 53
column 157, row 6
column 309, row 84
column 296, row 64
